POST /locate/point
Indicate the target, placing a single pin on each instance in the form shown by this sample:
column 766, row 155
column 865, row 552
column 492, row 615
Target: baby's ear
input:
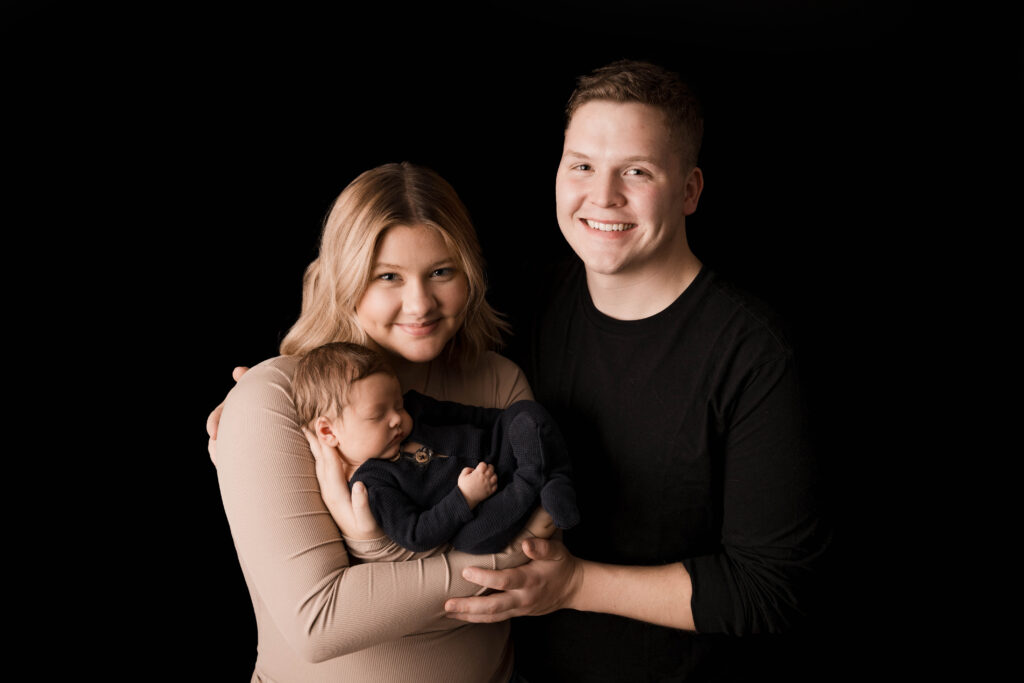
column 325, row 432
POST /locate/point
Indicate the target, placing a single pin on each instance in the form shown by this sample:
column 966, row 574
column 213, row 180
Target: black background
column 175, row 162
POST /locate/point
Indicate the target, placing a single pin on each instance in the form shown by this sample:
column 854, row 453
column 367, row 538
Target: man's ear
column 694, row 187
column 325, row 432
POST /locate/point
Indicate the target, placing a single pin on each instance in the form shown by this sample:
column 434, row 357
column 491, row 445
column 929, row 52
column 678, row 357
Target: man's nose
column 607, row 190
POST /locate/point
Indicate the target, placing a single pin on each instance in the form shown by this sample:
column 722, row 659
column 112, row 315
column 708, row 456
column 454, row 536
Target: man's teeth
column 610, row 227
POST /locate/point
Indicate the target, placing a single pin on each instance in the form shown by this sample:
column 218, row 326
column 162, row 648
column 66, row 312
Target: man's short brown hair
column 636, row 81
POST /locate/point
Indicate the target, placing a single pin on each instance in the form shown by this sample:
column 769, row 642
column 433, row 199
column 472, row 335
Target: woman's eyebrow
column 395, row 266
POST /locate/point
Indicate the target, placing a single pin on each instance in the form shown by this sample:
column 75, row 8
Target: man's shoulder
column 560, row 284
column 747, row 309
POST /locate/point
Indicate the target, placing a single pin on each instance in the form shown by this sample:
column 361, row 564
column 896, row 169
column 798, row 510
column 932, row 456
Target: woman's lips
column 418, row 329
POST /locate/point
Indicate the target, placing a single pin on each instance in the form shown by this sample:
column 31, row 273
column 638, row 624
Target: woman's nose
column 417, row 299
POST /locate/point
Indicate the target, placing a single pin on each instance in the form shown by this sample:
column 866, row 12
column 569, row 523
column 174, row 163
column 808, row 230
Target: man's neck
column 634, row 296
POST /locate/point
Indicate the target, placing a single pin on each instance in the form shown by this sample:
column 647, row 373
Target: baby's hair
column 323, row 377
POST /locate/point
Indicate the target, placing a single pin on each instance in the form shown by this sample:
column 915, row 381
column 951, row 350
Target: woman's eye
column 387, row 277
column 443, row 272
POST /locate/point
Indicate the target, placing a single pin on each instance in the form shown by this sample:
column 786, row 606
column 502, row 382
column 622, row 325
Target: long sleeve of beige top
column 320, row 617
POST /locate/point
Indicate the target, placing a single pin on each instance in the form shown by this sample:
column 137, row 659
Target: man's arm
column 761, row 580
column 213, row 421
column 437, row 412
column 555, row 579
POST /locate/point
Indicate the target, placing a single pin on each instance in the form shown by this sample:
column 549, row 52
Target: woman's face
column 417, row 296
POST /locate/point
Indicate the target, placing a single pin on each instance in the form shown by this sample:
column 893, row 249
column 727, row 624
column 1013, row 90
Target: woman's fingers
column 363, row 518
column 213, row 420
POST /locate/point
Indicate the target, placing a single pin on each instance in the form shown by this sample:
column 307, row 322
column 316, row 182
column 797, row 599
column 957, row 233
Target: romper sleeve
column 291, row 549
column 411, row 526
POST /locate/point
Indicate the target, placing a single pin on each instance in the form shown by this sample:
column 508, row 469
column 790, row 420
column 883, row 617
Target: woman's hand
column 351, row 511
column 547, row 583
column 213, row 421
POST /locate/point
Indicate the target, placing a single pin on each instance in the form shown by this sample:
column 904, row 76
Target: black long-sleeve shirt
column 687, row 440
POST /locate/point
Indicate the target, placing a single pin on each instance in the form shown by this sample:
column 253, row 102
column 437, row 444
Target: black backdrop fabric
column 177, row 159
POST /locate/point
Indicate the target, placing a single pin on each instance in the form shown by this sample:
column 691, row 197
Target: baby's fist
column 478, row 483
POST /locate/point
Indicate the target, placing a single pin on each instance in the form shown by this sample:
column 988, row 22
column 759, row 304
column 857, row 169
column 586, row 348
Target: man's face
column 622, row 192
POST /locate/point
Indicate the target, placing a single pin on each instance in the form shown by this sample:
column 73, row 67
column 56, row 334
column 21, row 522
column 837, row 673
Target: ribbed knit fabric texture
column 319, row 616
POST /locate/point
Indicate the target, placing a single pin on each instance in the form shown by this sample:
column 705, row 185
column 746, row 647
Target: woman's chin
column 420, row 352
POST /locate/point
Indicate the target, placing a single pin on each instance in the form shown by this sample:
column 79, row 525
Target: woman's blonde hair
column 334, row 283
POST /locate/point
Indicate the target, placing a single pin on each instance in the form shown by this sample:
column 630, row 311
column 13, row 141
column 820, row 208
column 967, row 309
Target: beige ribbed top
column 320, row 616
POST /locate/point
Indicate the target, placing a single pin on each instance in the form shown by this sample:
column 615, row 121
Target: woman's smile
column 419, row 329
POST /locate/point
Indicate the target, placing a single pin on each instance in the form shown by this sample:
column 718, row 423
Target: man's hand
column 545, row 584
column 350, row 510
column 213, row 421
column 540, row 524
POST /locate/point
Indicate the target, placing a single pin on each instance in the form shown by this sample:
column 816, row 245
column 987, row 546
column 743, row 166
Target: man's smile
column 609, row 227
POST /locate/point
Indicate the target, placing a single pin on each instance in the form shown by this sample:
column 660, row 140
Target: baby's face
column 374, row 423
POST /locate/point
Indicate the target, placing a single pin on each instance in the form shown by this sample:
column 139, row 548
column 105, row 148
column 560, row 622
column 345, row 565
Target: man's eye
column 636, row 171
column 581, row 167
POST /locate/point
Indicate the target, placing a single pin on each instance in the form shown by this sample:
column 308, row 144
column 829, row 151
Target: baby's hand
column 477, row 484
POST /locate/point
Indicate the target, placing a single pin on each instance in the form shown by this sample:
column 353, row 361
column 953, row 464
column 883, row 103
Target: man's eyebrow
column 643, row 158
column 628, row 160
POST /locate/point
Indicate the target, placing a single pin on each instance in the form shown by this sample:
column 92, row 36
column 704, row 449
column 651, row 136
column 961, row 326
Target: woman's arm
column 291, row 548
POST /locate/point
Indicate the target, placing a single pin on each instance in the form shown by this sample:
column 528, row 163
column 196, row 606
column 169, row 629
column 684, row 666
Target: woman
column 399, row 269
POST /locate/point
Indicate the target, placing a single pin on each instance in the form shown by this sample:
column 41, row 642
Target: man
column 679, row 399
